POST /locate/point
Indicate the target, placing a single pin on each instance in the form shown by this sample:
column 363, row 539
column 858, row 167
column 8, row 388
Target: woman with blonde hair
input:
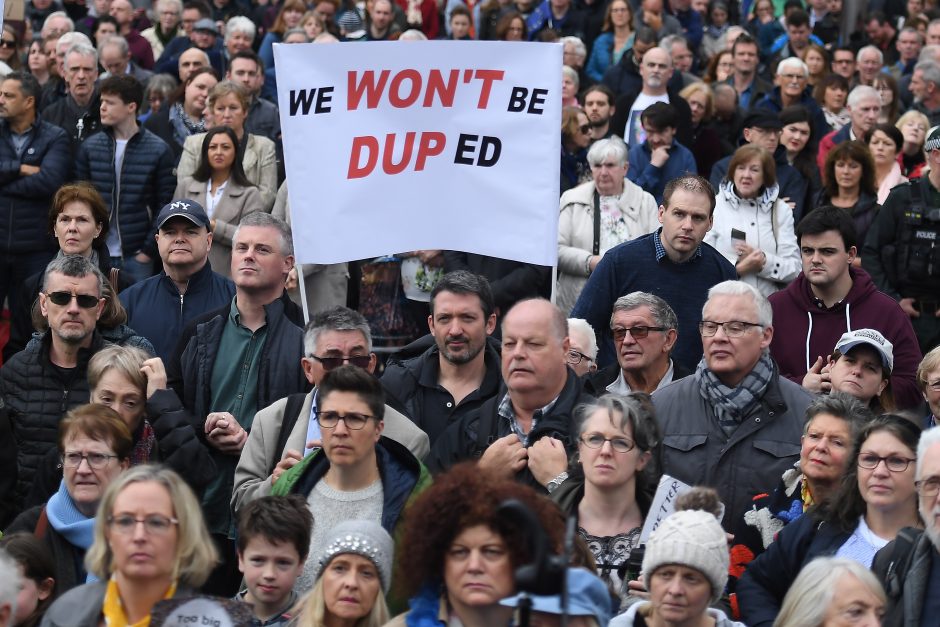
column 353, row 577
column 914, row 126
column 150, row 544
column 829, row 588
column 229, row 102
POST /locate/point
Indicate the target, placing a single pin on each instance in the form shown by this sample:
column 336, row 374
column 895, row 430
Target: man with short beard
column 599, row 108
column 909, row 566
column 47, row 378
column 461, row 370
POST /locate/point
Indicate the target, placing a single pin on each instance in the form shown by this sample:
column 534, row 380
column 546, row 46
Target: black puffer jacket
column 147, row 183
column 25, row 200
column 36, row 394
column 79, row 123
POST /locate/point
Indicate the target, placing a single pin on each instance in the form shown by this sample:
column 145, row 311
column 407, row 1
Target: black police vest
column 918, row 245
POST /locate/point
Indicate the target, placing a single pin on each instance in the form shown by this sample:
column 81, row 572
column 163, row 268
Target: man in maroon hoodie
column 833, row 296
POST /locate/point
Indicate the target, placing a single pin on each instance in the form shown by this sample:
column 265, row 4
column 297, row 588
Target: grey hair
column 911, row 29
column 260, row 218
column 793, row 62
column 813, row 590
column 9, row 582
column 636, row 410
column 604, row 148
column 240, row 24
column 669, row 41
column 176, row 4
column 568, row 72
column 86, row 50
column 930, row 52
column 662, row 313
column 579, row 48
column 71, row 38
column 328, row 38
column 296, row 31
column 927, row 439
column 862, row 92
column 335, row 319
column 765, row 314
column 584, row 328
column 161, row 84
column 412, row 34
column 75, row 266
column 930, row 71
column 840, row 405
column 56, row 14
column 870, row 48
column 114, row 40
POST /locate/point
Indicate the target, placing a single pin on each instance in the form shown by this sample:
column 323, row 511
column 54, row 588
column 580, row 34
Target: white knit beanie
column 690, row 538
column 365, row 538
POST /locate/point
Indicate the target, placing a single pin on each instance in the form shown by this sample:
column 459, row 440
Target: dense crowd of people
column 745, row 316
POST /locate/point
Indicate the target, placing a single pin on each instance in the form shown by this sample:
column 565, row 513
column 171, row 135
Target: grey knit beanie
column 690, row 538
column 365, row 538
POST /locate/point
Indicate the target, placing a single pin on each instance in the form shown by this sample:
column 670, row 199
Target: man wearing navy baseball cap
column 161, row 306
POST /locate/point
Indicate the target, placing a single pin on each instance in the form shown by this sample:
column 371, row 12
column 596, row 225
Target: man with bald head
column 190, row 61
column 141, row 52
column 656, row 70
column 526, row 430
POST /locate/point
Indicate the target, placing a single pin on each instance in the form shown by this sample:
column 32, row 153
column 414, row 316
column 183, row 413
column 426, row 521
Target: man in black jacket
column 236, row 360
column 132, row 169
column 44, row 380
column 526, row 431
column 34, row 163
column 77, row 113
column 461, row 370
column 160, row 307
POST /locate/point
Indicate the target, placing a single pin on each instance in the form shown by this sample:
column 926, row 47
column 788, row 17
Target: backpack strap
column 900, row 563
column 295, row 403
column 41, row 525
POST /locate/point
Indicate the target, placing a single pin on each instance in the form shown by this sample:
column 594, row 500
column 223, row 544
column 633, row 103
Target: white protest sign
column 399, row 146
column 664, row 504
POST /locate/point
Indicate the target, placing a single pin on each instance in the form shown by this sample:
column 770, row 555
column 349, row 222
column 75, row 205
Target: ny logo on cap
column 179, row 204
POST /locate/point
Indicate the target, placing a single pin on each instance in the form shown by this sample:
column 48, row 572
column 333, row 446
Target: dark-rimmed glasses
column 638, row 332
column 870, row 461
column 96, row 461
column 354, row 421
column 619, row 444
column 329, row 363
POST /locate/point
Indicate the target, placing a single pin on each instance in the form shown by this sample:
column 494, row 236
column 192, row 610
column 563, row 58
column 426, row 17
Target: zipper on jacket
column 65, row 401
column 181, row 307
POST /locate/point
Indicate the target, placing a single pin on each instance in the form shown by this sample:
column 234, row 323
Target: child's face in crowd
column 270, row 569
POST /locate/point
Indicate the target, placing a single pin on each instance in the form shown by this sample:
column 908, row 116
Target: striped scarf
column 732, row 405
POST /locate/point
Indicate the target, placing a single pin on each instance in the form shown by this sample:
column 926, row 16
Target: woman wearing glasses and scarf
column 612, row 481
column 150, row 544
column 875, row 500
column 94, row 448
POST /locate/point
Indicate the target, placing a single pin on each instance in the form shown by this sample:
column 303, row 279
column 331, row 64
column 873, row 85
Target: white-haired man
column 925, row 87
column 909, row 566
column 869, row 61
column 735, row 425
column 169, row 25
column 864, row 105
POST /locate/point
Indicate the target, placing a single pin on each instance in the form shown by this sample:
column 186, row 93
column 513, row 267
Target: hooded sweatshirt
column 805, row 329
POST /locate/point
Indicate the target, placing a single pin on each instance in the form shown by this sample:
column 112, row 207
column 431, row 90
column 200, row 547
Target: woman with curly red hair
column 458, row 555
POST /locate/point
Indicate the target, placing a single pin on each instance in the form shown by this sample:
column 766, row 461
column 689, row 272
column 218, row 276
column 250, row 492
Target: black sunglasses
column 6, row 43
column 329, row 363
column 85, row 301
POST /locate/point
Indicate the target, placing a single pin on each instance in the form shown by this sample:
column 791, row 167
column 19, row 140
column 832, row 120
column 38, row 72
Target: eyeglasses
column 85, row 301
column 96, row 461
column 934, row 386
column 6, row 43
column 596, row 440
column 329, row 363
column 638, row 332
column 928, row 487
column 576, row 357
column 329, row 420
column 732, row 328
column 870, row 461
column 585, row 129
column 155, row 524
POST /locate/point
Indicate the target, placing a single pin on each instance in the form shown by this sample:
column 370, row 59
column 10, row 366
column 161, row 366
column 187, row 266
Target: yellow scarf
column 806, row 495
column 113, row 609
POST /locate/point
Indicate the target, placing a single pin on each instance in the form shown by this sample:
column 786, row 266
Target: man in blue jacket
column 660, row 158
column 34, row 163
column 132, row 169
column 159, row 308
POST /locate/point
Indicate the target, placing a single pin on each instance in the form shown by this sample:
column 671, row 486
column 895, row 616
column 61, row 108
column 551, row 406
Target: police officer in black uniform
column 902, row 249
